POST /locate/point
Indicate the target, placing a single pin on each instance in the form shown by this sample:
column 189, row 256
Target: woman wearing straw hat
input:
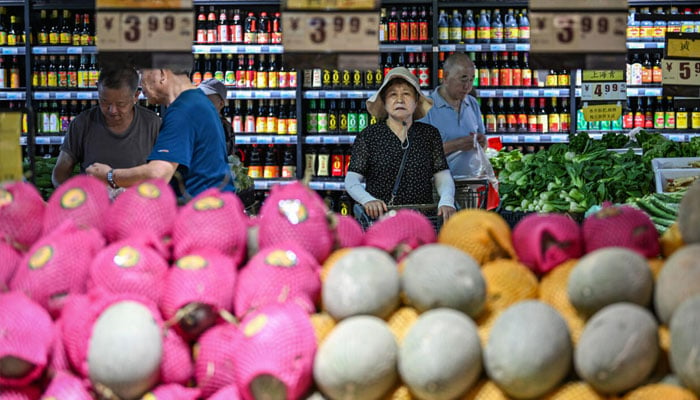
column 398, row 157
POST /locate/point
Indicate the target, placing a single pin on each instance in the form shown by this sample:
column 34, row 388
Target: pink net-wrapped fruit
column 82, row 198
column 621, row 226
column 543, row 241
column 22, row 214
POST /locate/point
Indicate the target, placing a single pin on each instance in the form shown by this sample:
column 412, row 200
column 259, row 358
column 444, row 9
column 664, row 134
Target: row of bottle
column 65, row 72
column 270, row 161
column 70, row 28
column 11, row 72
column 644, row 69
column 410, row 25
column 255, row 72
column 486, row 27
column 659, row 113
column 650, row 30
column 271, row 117
column 238, row 27
column 326, row 78
column 533, row 115
column 53, row 117
column 337, row 116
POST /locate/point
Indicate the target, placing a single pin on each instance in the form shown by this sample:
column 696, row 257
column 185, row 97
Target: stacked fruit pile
column 137, row 298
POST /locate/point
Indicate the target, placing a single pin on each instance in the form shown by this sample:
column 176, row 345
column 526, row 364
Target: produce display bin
column 663, row 176
column 673, row 163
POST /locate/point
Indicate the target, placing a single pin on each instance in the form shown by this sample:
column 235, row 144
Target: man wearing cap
column 118, row 131
column 399, row 157
column 457, row 115
column 216, row 92
column 191, row 141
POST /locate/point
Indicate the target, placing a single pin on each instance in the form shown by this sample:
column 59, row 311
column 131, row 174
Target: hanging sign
column 10, row 150
column 680, row 67
column 602, row 112
column 148, row 33
column 603, row 85
column 590, row 34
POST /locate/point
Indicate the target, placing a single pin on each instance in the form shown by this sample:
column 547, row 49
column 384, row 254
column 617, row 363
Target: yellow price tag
column 683, row 48
column 10, row 151
column 603, row 75
column 602, row 112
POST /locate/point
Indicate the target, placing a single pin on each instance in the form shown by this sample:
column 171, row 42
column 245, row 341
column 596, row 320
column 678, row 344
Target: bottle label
column 659, row 120
column 208, row 75
column 292, row 79
column 41, row 37
column 311, row 123
column 322, row 122
column 250, row 79
column 532, row 123
column 638, row 120
column 35, row 78
column 682, row 120
column 484, row 77
column 263, row 38
column 332, row 122
column 85, row 39
column 551, row 80
column 423, row 31
column 506, row 77
column 72, row 79
column 695, row 120
column 65, row 38
column 490, row 123
column 76, row 40
column 276, row 38
column 289, row 171
column 522, row 121
column 197, row 77
column 240, row 79
column 646, row 33
column 512, row 33
column 542, row 123
column 219, row 75
column 250, row 124
column 255, row 171
column 469, row 34
column 669, row 119
column 656, row 74
column 323, row 167
column 424, row 77
column 272, row 79
column 62, row 79
column 646, row 75
column 271, row 171
column 261, row 124
column 632, row 33
column 362, row 121
column 517, row 77
column 54, row 38
column 497, row 35
column 282, row 82
column 659, row 33
column 261, row 80
column 201, row 35
column 281, row 126
column 383, row 34
column 292, row 126
column 230, row 78
column 92, row 78
column 222, row 34
column 554, row 123
column 404, row 32
column 53, row 79
column 249, row 37
column 444, row 34
column 483, row 33
column 337, row 164
column 352, row 122
column 44, row 78
column 393, row 32
column 524, row 33
column 14, row 78
column 271, row 124
column 648, row 119
column 564, row 122
column 527, row 77
column 343, row 122
column 414, row 34
column 563, row 80
column 356, row 79
column 628, row 120
column 369, row 79
column 11, row 40
column 455, row 34
column 494, row 74
column 237, row 124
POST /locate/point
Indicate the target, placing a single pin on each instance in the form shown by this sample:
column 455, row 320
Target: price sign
column 602, row 85
column 314, row 32
column 145, row 30
column 602, row 112
column 331, row 4
column 683, row 45
column 10, row 151
column 680, row 72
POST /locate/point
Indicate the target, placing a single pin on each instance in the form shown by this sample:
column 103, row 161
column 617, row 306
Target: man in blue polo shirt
column 457, row 115
column 190, row 143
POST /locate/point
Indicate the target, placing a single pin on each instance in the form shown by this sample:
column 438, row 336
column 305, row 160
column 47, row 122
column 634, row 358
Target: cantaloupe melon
column 401, row 321
column 610, row 275
column 553, row 292
column 401, row 392
column 125, row 351
column 677, row 281
column 689, row 215
column 364, row 281
column 659, row 391
column 618, row 349
column 575, row 391
column 484, row 235
column 357, row 361
column 529, row 350
column 437, row 275
column 685, row 343
column 485, row 390
column 440, row 357
column 323, row 324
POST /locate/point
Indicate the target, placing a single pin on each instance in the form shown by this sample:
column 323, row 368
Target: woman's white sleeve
column 353, row 185
column 445, row 186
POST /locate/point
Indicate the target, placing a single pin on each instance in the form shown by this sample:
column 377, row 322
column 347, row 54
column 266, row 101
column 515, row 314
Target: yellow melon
column 323, row 324
column 484, row 235
column 400, row 393
column 660, row 391
column 575, row 391
column 671, row 240
column 553, row 292
column 655, row 265
column 485, row 390
column 401, row 321
column 664, row 337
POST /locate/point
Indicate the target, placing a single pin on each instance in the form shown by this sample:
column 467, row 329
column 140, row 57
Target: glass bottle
column 468, row 27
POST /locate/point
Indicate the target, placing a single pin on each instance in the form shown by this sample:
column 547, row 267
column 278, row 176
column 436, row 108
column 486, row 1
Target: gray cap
column 213, row 86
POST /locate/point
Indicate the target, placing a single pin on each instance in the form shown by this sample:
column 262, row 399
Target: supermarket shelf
column 338, row 94
column 7, row 95
column 485, row 47
column 41, row 140
column 266, row 139
column 11, row 50
column 645, row 45
column 237, row 49
column 644, row 91
column 532, row 138
column 327, row 185
column 66, row 95
column 266, row 184
column 64, row 50
column 329, row 139
column 261, row 94
column 405, row 48
column 536, row 92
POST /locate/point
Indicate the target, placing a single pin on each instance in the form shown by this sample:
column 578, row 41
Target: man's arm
column 126, row 177
column 63, row 168
column 463, row 143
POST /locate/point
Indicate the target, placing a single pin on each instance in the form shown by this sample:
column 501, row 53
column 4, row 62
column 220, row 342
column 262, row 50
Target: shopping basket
column 471, row 193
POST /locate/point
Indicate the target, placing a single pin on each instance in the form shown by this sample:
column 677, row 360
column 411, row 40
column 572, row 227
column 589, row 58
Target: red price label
column 680, row 72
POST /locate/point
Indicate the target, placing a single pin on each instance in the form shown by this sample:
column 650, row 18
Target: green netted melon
column 609, row 275
column 677, row 281
column 125, row 350
column 440, row 357
column 357, row 361
column 363, row 281
column 689, row 215
column 685, row 343
column 529, row 350
column 618, row 348
column 437, row 275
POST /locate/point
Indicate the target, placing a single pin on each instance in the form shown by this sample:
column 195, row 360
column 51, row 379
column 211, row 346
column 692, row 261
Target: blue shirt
column 192, row 136
column 453, row 126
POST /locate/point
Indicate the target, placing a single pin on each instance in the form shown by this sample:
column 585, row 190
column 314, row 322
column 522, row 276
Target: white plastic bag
column 481, row 166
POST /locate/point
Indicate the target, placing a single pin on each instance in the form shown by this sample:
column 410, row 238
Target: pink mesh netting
column 150, row 206
column 400, row 228
column 27, row 333
column 621, row 226
column 176, row 365
column 205, row 276
column 543, row 241
column 297, row 213
column 131, row 265
column 212, row 219
column 65, row 385
column 9, row 260
column 229, row 392
column 59, row 358
column 22, row 213
column 21, row 393
column 214, row 364
column 57, row 265
column 82, row 198
column 277, row 340
column 348, row 232
column 174, row 392
column 284, row 272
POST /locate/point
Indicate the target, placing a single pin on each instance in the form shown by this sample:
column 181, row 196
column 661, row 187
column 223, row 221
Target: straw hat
column 375, row 104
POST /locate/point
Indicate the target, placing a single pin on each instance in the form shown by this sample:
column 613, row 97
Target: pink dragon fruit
column 399, row 232
column 544, row 241
column 82, row 198
column 214, row 366
column 621, row 226
column 22, row 214
column 9, row 261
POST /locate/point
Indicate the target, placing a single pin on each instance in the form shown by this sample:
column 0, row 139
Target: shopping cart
column 429, row 210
